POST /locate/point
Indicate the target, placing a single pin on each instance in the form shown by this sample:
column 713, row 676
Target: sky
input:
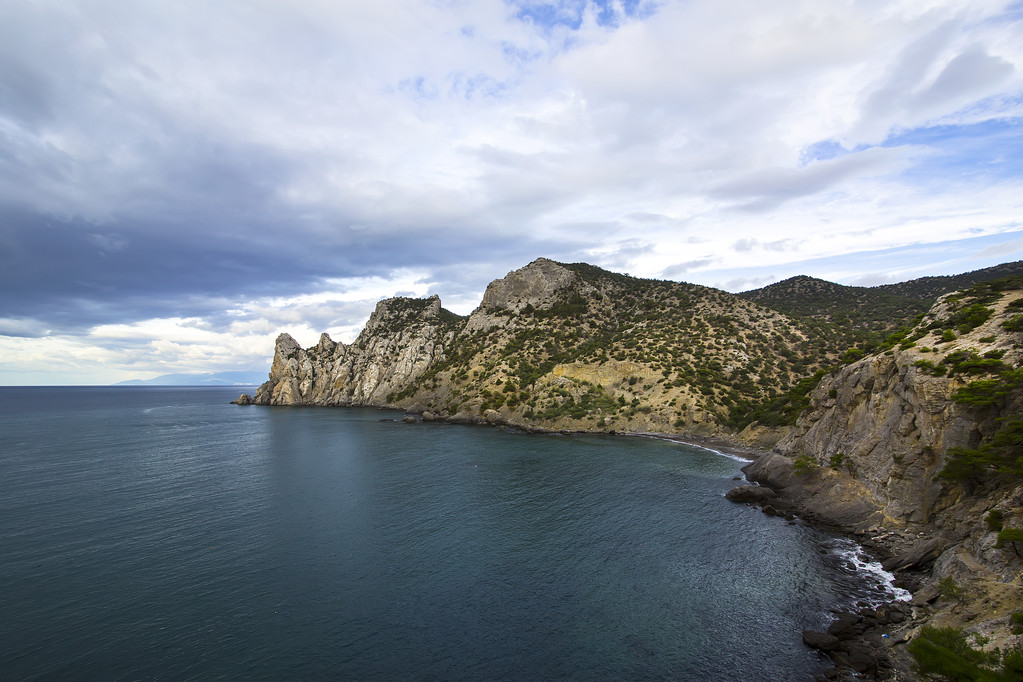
column 182, row 181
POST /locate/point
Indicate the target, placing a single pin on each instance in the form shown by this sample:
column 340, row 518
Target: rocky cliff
column 403, row 338
column 913, row 442
column 562, row 347
column 918, row 450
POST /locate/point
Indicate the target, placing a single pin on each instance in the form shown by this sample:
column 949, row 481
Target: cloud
column 678, row 270
column 176, row 161
column 769, row 187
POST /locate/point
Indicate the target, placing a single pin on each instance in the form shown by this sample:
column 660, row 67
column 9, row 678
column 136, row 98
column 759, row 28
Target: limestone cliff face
column 558, row 347
column 890, row 420
column 403, row 337
column 538, row 285
column 866, row 455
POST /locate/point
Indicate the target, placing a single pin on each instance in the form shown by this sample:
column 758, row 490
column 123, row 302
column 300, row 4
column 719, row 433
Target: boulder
column 925, row 595
column 846, row 625
column 820, row 640
column 917, row 557
column 859, row 657
column 754, row 494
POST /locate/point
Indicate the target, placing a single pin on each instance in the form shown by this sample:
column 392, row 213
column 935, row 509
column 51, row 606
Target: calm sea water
column 161, row 533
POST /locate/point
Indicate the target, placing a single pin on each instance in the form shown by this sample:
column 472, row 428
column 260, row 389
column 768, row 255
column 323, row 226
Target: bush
column 970, row 318
column 1014, row 324
column 839, row 460
column 1010, row 535
column 982, row 393
column 804, row 464
column 945, row 652
column 994, row 519
column 949, row 589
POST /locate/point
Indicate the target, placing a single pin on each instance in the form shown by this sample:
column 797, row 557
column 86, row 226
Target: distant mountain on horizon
column 236, row 378
column 880, row 308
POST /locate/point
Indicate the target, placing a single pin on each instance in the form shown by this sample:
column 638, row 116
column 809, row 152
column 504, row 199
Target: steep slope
column 846, row 307
column 557, row 346
column 403, row 338
column 922, row 446
column 575, row 347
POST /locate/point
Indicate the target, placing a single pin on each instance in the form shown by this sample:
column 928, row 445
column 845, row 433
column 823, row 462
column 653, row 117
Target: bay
column 162, row 533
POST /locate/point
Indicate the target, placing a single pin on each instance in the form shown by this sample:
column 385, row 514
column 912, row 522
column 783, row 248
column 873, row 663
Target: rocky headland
column 883, row 416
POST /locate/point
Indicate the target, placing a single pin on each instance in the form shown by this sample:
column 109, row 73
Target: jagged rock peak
column 401, row 310
column 285, row 344
column 326, row 344
column 536, row 284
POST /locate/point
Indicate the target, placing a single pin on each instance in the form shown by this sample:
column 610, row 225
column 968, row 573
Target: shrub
column 1010, row 535
column 854, row 354
column 970, row 318
column 839, row 460
column 994, row 519
column 1014, row 324
column 804, row 464
column 982, row 393
column 949, row 589
column 948, row 335
column 945, row 652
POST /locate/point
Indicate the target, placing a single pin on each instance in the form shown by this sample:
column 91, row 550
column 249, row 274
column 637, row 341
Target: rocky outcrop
column 403, row 338
column 866, row 456
column 889, row 420
column 537, row 285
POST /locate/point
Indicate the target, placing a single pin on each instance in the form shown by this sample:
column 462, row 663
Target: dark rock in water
column 820, row 640
column 751, row 493
column 243, row 399
column 770, row 511
column 385, row 419
column 845, row 625
column 918, row 556
column 858, row 657
column 409, row 419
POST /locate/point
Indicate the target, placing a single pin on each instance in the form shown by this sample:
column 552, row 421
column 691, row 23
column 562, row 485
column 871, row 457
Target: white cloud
column 426, row 147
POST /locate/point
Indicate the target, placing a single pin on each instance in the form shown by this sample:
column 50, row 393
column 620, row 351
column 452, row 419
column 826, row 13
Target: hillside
column 918, row 449
column 863, row 308
column 912, row 439
column 574, row 347
column 930, row 288
column 863, row 316
column 558, row 347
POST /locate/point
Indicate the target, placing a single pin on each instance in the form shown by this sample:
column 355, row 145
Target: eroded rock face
column 890, row 420
column 890, row 423
column 537, row 284
column 403, row 337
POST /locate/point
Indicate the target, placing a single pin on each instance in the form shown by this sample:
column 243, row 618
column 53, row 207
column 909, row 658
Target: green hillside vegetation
column 866, row 316
column 574, row 347
column 930, row 288
column 613, row 350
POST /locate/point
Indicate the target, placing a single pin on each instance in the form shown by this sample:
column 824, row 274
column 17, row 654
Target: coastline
column 865, row 644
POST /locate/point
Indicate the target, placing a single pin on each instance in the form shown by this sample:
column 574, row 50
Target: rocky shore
column 951, row 582
column 869, row 643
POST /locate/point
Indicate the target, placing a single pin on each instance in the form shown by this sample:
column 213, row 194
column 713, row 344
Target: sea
column 164, row 534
